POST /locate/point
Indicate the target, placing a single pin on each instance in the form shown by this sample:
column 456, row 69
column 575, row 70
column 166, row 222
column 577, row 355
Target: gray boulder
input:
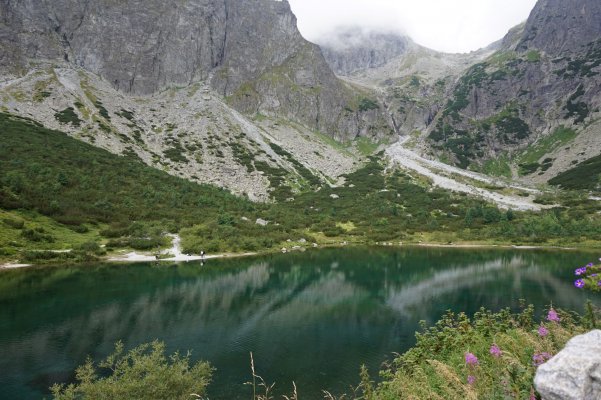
column 575, row 372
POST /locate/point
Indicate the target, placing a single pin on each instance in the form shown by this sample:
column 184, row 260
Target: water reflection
column 312, row 317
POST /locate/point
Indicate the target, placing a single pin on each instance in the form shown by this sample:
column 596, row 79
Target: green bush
column 142, row 373
column 68, row 116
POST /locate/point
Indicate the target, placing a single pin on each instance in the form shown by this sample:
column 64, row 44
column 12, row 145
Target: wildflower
column 495, row 351
column 552, row 316
column 594, row 275
column 540, row 358
column 542, row 331
column 580, row 271
column 579, row 283
column 599, row 283
column 471, row 359
column 532, row 394
column 471, row 379
column 589, row 265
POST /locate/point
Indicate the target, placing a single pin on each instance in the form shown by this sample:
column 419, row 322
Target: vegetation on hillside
column 59, row 193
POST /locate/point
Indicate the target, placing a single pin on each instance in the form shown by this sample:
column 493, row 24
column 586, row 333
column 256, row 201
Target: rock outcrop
column 575, row 372
column 562, row 26
column 250, row 51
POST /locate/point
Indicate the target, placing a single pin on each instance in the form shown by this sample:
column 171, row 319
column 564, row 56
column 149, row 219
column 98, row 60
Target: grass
column 366, row 146
column 442, row 365
column 499, row 166
column 559, row 138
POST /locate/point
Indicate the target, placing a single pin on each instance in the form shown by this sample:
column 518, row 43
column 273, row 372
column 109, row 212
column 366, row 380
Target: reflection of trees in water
column 181, row 308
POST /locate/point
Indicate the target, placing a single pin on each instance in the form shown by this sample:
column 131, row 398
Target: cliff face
column 533, row 102
column 250, row 51
column 558, row 26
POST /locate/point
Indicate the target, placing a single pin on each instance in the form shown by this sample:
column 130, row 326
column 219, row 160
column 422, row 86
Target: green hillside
column 57, row 192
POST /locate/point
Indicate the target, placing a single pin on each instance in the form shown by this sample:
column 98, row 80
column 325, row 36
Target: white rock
column 575, row 372
column 262, row 222
column 334, row 196
column 303, row 240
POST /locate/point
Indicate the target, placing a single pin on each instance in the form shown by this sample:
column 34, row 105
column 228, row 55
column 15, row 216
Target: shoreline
column 496, row 246
column 134, row 257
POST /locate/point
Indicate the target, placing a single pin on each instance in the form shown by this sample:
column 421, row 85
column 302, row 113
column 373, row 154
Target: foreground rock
column 575, row 372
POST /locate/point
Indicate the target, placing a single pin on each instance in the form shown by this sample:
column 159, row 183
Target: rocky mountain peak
column 557, row 26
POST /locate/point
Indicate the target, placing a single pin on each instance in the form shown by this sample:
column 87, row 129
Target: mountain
column 531, row 108
column 412, row 80
column 250, row 52
column 200, row 88
column 229, row 93
column 351, row 49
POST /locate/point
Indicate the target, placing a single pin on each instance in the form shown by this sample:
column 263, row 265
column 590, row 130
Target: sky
column 454, row 26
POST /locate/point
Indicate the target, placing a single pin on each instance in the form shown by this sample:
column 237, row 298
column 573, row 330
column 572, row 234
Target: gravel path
column 442, row 176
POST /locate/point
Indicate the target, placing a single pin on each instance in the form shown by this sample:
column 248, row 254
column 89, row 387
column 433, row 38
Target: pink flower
column 471, row 379
column 540, row 358
column 552, row 316
column 495, row 351
column 542, row 331
column 471, row 359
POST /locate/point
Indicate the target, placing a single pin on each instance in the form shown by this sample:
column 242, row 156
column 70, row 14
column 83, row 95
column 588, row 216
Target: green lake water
column 312, row 318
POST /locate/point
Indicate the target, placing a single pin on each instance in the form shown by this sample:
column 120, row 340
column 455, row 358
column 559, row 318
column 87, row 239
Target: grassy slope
column 57, row 192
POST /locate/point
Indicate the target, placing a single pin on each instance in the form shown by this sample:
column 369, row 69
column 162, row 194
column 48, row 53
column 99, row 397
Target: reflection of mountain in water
column 313, row 317
column 515, row 276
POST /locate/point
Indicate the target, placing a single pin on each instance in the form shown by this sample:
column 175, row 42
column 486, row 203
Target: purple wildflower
column 599, row 283
column 552, row 316
column 540, row 358
column 580, row 271
column 542, row 331
column 589, row 265
column 495, row 351
column 579, row 283
column 471, row 379
column 471, row 359
column 594, row 275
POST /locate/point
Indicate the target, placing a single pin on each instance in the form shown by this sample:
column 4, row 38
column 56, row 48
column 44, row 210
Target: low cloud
column 444, row 25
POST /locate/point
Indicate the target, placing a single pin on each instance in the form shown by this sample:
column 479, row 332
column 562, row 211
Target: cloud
column 444, row 25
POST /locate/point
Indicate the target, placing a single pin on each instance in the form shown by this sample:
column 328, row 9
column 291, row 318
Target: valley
column 340, row 191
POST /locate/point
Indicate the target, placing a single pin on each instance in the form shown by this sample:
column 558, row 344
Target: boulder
column 262, row 222
column 575, row 372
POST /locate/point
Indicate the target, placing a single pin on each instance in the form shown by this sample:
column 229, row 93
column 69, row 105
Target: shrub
column 14, row 223
column 142, row 373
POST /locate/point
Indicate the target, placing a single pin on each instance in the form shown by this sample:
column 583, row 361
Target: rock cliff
column 532, row 107
column 250, row 51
